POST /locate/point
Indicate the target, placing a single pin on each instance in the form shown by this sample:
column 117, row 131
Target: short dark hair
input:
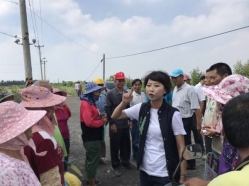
column 135, row 80
column 235, row 118
column 222, row 69
column 208, row 70
column 161, row 77
column 202, row 77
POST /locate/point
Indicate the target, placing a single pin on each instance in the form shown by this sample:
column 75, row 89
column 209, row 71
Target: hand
column 210, row 131
column 127, row 97
column 130, row 124
column 113, row 128
column 196, row 182
column 105, row 120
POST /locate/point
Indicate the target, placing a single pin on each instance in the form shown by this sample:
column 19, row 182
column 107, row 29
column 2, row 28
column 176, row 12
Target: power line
column 15, row 36
column 41, row 28
column 35, row 20
column 35, row 35
column 171, row 46
column 93, row 71
column 66, row 36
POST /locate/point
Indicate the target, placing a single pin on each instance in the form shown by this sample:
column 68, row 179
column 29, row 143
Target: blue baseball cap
column 177, row 72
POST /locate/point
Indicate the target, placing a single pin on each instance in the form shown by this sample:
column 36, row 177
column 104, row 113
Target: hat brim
column 20, row 126
column 215, row 93
column 49, row 102
column 7, row 96
column 176, row 75
column 94, row 89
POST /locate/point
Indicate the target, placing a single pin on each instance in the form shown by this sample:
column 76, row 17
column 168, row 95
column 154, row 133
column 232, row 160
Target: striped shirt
column 185, row 100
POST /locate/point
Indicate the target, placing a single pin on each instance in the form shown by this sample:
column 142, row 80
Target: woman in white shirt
column 161, row 132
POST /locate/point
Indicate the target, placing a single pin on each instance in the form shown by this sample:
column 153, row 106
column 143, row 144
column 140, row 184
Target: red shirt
column 54, row 157
column 89, row 114
column 62, row 116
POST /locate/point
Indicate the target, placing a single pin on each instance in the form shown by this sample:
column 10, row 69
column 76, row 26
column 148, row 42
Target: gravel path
column 105, row 172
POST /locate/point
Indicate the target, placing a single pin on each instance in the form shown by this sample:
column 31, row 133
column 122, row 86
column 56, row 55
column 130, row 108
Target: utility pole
column 25, row 43
column 103, row 60
column 44, row 63
column 39, row 48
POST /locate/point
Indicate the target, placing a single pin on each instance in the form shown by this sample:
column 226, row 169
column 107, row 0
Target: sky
column 77, row 33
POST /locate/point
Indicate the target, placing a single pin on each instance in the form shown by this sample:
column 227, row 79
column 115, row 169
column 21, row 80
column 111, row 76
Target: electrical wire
column 93, row 71
column 35, row 20
column 66, row 36
column 10, row 35
column 31, row 15
column 41, row 28
column 171, row 46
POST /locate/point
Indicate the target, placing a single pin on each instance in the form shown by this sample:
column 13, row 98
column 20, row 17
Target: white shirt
column 138, row 98
column 185, row 100
column 199, row 93
column 154, row 161
column 76, row 86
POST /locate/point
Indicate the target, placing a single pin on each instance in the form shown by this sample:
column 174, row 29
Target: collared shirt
column 185, row 100
column 199, row 93
column 113, row 99
column 138, row 98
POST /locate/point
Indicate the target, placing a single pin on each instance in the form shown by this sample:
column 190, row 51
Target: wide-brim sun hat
column 38, row 97
column 56, row 90
column 91, row 87
column 15, row 119
column 176, row 72
column 4, row 95
column 230, row 87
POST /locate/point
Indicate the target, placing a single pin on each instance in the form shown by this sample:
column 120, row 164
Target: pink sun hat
column 15, row 119
column 37, row 97
column 186, row 77
column 228, row 88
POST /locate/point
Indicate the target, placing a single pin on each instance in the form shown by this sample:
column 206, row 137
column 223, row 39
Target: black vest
column 165, row 114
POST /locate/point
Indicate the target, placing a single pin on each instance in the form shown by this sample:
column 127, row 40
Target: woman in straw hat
column 15, row 133
column 92, row 130
column 63, row 113
column 49, row 168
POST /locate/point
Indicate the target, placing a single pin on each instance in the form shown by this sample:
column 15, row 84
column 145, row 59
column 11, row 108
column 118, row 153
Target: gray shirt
column 113, row 99
column 185, row 100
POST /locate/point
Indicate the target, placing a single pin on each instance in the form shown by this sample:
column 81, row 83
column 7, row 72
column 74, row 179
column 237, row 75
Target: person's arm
column 196, row 182
column 89, row 119
column 183, row 167
column 198, row 119
column 201, row 107
column 118, row 113
column 51, row 177
column 194, row 101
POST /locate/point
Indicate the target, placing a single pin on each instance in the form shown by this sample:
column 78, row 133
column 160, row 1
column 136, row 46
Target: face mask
column 95, row 98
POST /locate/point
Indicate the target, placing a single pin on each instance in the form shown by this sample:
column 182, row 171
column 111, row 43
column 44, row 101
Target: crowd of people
column 150, row 128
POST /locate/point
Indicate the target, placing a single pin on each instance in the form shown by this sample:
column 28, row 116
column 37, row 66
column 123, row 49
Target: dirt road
column 105, row 172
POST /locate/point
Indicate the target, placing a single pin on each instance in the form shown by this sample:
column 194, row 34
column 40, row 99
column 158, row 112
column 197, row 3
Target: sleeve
column 51, row 177
column 68, row 110
column 177, row 124
column 194, row 102
column 88, row 116
column 9, row 176
column 133, row 112
column 43, row 164
column 108, row 108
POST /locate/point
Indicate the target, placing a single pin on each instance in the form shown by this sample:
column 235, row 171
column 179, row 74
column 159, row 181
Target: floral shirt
column 16, row 172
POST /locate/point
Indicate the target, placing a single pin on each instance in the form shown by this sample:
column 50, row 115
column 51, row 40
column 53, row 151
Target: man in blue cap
column 186, row 101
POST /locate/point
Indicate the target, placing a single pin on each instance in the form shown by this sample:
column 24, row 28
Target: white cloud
column 132, row 2
column 113, row 36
